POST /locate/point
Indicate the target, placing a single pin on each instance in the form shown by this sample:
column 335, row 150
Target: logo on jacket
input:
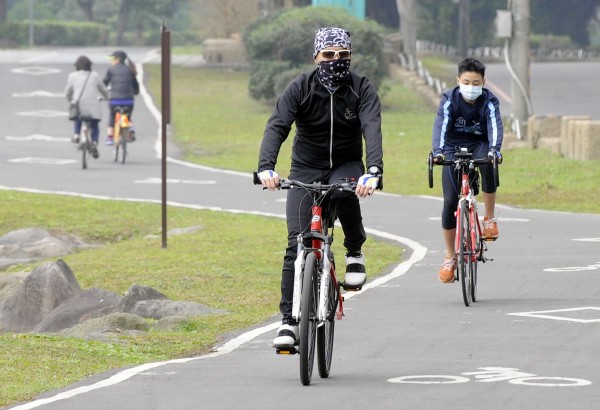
column 349, row 115
column 461, row 126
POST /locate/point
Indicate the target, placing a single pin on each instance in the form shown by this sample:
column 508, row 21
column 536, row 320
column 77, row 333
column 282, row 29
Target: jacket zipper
column 331, row 132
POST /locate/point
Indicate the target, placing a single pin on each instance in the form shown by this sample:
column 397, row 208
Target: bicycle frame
column 467, row 195
column 320, row 245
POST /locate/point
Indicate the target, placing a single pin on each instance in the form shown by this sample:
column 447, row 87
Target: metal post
column 165, row 119
column 519, row 56
column 464, row 22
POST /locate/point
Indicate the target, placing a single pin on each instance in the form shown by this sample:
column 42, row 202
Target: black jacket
column 329, row 127
column 122, row 81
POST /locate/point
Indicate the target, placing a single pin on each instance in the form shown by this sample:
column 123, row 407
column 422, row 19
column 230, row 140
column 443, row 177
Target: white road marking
column 574, row 268
column 174, row 181
column 587, row 239
column 542, row 314
column 44, row 161
column 500, row 219
column 38, row 137
column 36, row 70
column 44, row 113
column 38, row 93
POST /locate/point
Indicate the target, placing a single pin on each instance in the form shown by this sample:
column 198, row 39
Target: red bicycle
column 317, row 297
column 469, row 244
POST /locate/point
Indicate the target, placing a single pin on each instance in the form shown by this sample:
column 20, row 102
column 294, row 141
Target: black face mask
column 334, row 73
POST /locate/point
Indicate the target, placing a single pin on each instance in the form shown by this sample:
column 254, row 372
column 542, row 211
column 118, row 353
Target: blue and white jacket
column 459, row 123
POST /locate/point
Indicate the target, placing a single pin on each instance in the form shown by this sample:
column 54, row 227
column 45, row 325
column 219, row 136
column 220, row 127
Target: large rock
column 31, row 244
column 158, row 309
column 40, row 292
column 99, row 328
column 135, row 294
column 85, row 305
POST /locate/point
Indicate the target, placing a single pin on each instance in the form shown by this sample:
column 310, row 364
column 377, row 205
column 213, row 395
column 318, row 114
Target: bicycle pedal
column 286, row 351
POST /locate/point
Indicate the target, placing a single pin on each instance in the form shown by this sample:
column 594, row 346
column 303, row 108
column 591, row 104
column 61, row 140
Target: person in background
column 123, row 84
column 86, row 87
column 468, row 117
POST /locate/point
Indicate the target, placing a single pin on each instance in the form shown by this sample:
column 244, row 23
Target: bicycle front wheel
column 326, row 331
column 308, row 318
column 464, row 254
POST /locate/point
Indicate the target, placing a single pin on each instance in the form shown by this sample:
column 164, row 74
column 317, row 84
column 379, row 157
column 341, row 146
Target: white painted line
column 173, row 181
column 43, row 113
column 38, row 137
column 587, row 239
column 541, row 314
column 574, row 268
column 44, row 161
column 38, row 93
column 36, row 70
column 500, row 219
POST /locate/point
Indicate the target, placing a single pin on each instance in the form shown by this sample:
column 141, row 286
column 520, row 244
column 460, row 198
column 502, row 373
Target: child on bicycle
column 121, row 78
column 84, row 86
column 468, row 116
column 328, row 146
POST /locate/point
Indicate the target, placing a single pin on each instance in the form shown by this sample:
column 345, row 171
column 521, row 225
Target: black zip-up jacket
column 122, row 82
column 329, row 127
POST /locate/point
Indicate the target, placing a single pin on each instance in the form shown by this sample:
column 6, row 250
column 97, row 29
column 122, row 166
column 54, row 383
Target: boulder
column 115, row 323
column 38, row 294
column 85, row 305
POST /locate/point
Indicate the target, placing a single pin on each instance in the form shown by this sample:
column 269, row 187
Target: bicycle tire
column 430, row 169
column 326, row 332
column 308, row 318
column 477, row 253
column 124, row 137
column 83, row 146
column 464, row 254
column 84, row 152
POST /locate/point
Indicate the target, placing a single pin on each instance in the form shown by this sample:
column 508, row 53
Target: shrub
column 279, row 48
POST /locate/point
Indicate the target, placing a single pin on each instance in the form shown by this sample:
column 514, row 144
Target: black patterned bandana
column 334, row 73
column 331, row 37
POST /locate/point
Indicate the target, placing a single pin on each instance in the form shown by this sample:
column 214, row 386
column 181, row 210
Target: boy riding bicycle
column 328, row 146
column 468, row 116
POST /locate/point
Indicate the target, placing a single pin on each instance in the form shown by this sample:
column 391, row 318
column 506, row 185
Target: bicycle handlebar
column 463, row 158
column 344, row 184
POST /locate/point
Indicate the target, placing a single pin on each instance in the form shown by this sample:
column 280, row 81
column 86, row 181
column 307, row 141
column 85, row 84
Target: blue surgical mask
column 470, row 92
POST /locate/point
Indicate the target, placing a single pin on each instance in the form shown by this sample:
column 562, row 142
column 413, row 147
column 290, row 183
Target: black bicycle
column 86, row 145
column 317, row 300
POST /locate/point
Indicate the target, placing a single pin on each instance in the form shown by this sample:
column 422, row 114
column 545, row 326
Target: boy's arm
column 494, row 124
column 440, row 126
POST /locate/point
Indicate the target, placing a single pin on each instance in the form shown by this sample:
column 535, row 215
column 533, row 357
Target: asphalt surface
column 407, row 341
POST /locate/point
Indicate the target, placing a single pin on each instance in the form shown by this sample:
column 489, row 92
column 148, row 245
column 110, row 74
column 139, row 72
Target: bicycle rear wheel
column 308, row 318
column 124, row 139
column 464, row 254
column 476, row 254
column 326, row 331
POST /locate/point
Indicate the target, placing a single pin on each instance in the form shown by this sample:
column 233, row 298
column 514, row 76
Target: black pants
column 298, row 208
column 451, row 183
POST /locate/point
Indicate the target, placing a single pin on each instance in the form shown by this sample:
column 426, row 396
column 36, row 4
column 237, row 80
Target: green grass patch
column 237, row 269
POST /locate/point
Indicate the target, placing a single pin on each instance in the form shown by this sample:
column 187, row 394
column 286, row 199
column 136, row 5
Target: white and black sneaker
column 287, row 335
column 356, row 274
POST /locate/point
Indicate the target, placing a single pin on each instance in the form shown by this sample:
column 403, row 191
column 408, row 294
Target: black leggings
column 298, row 207
column 451, row 183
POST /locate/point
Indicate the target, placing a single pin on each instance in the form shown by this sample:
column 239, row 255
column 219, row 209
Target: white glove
column 366, row 185
column 262, row 175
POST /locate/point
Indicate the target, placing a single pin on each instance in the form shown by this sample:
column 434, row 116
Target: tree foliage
column 281, row 47
column 437, row 20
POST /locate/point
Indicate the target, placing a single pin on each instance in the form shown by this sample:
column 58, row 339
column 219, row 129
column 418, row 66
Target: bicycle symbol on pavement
column 495, row 374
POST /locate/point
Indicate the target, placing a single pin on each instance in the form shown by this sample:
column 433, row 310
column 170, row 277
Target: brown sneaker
column 446, row 273
column 490, row 229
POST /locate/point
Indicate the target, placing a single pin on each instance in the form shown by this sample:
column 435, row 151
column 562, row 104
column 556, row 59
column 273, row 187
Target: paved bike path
column 408, row 327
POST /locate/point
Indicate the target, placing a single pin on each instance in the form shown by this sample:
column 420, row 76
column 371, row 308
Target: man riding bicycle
column 468, row 116
column 333, row 110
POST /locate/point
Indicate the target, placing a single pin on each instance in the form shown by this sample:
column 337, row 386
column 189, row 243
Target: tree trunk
column 123, row 17
column 406, row 9
column 87, row 6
